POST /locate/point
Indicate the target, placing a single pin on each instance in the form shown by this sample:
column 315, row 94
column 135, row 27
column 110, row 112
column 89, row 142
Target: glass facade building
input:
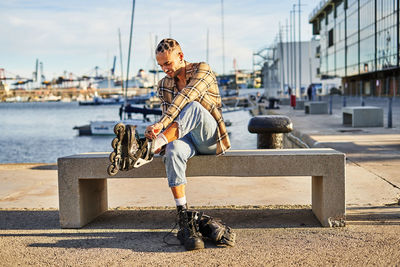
column 359, row 42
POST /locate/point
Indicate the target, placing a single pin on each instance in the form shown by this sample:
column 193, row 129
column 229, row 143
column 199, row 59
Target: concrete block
column 299, row 104
column 284, row 101
column 316, row 107
column 83, row 186
column 363, row 116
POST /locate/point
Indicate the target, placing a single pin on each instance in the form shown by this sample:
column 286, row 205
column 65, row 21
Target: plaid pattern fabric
column 202, row 87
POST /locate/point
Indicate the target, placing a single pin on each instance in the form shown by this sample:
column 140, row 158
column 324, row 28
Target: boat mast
column 207, row 49
column 129, row 53
column 223, row 37
column 120, row 59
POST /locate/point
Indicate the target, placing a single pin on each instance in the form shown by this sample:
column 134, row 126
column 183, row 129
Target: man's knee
column 173, row 151
column 171, row 154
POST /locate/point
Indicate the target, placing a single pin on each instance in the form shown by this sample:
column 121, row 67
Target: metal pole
column 330, row 104
column 281, row 59
column 390, row 113
column 170, row 27
column 309, row 63
column 294, row 50
column 120, row 59
column 153, row 57
column 299, row 50
column 287, row 52
column 291, row 51
column 361, row 93
column 155, row 45
column 390, row 98
column 129, row 53
column 208, row 38
column 223, row 38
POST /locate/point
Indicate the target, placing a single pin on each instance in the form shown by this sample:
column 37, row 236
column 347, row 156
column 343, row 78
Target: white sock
column 159, row 142
column 180, row 201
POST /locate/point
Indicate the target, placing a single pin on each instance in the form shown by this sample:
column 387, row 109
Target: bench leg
column 81, row 201
column 328, row 200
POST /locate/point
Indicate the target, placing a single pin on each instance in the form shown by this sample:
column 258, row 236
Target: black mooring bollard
column 270, row 130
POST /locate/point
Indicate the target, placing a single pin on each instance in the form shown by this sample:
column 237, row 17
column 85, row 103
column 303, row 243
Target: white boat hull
column 107, row 127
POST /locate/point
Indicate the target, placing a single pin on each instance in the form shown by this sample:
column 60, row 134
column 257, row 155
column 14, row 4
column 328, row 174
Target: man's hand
column 153, row 130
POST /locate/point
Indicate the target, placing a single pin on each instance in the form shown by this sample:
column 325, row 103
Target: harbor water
column 41, row 132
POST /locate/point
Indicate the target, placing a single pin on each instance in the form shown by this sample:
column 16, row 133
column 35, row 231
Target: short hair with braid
column 168, row 45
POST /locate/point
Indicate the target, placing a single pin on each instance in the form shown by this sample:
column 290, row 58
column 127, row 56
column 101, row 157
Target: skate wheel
column 114, row 143
column 112, row 157
column 119, row 127
column 229, row 239
column 111, row 170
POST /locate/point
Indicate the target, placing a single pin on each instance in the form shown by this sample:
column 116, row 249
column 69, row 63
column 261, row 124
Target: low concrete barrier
column 82, row 178
column 363, row 116
column 299, row 104
column 284, row 101
column 316, row 107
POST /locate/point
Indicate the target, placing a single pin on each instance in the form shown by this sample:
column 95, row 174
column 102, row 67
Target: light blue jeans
column 197, row 135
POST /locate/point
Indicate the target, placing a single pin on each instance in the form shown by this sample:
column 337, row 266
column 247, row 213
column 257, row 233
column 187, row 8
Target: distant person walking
column 309, row 92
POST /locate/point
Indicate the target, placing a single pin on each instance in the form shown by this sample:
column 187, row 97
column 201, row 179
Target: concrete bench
column 82, row 179
column 316, row 107
column 363, row 116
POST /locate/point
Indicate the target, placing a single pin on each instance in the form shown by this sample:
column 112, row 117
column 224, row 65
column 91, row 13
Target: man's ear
column 180, row 54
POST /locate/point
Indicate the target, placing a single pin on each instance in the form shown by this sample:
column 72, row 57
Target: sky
column 75, row 36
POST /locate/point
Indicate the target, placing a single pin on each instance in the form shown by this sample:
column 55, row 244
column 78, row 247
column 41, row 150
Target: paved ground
column 271, row 216
column 285, row 236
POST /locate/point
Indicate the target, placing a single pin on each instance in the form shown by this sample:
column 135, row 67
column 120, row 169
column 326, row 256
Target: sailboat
column 126, row 109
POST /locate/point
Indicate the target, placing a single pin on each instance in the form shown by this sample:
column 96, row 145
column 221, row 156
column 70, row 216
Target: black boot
column 188, row 233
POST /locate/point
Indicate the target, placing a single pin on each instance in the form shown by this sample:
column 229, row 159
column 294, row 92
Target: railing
column 319, row 7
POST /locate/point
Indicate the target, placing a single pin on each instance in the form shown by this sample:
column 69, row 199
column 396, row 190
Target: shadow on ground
column 365, row 153
column 161, row 219
column 386, row 215
column 45, row 167
column 144, row 230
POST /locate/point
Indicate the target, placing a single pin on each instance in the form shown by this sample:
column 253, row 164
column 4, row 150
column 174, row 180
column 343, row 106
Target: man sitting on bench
column 191, row 124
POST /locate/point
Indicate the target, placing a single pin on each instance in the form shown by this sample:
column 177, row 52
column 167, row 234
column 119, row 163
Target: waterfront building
column 359, row 43
column 281, row 68
column 240, row 79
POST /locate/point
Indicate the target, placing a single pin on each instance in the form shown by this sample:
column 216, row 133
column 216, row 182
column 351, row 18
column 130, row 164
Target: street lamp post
column 299, row 50
column 287, row 53
column 294, row 50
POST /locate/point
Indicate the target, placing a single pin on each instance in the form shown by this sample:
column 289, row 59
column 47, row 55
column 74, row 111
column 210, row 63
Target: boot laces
column 192, row 226
column 169, row 234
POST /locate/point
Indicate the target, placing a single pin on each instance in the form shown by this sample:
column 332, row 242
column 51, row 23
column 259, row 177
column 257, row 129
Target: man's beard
column 177, row 72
